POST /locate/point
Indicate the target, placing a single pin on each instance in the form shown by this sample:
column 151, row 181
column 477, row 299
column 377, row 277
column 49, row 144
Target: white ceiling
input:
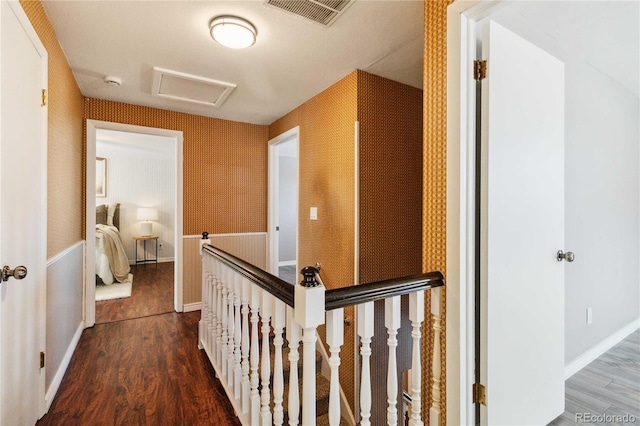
column 605, row 33
column 293, row 59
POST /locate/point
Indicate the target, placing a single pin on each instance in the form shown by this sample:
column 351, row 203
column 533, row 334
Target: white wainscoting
column 65, row 322
column 251, row 247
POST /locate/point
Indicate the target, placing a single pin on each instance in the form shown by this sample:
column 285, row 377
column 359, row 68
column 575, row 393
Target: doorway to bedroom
column 134, row 243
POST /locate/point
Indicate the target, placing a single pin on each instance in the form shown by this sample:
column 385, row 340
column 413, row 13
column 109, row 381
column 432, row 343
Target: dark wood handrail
column 357, row 294
column 274, row 285
column 334, row 298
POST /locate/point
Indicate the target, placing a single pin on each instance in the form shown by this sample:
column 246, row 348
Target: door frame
column 462, row 16
column 90, row 205
column 274, row 197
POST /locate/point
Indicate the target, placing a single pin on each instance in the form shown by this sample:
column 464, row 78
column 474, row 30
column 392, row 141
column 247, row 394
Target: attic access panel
column 190, row 88
column 323, row 12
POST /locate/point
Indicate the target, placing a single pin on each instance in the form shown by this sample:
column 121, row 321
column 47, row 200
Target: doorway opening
column 283, row 205
column 143, row 175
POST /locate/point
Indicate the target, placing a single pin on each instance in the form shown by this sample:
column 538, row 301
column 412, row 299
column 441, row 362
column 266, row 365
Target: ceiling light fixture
column 233, row 32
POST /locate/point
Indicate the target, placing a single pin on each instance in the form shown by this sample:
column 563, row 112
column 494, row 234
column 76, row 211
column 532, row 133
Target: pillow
column 101, row 215
column 113, row 215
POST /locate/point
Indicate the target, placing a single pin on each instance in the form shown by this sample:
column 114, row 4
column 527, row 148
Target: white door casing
column 522, row 228
column 274, row 197
column 90, row 219
column 23, row 219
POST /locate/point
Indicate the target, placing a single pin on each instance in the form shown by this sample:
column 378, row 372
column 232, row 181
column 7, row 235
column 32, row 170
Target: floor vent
column 190, row 88
column 324, row 12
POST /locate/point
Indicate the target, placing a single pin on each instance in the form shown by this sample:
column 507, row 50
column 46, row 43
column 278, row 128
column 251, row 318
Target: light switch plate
column 313, row 213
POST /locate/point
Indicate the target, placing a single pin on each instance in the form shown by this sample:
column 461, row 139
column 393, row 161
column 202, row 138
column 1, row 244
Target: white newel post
column 203, row 326
column 335, row 339
column 309, row 313
column 365, row 331
column 434, row 412
column 279, row 314
column 416, row 315
column 293, row 336
column 392, row 322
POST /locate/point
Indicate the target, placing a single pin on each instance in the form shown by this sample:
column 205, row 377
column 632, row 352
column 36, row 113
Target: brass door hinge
column 44, row 97
column 41, row 359
column 479, row 394
column 479, row 70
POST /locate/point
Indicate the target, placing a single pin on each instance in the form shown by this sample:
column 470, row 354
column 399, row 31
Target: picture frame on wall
column 101, row 177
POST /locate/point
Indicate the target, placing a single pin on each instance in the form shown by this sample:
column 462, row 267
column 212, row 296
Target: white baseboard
column 190, row 307
column 586, row 358
column 287, row 263
column 57, row 379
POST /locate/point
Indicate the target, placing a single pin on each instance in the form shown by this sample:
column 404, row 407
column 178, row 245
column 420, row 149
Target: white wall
column 602, row 201
column 141, row 173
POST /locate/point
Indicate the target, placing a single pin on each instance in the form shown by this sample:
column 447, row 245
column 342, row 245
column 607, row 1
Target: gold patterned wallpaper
column 225, row 165
column 435, row 168
column 65, row 147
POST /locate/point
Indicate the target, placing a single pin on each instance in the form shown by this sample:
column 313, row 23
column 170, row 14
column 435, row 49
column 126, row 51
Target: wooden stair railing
column 249, row 316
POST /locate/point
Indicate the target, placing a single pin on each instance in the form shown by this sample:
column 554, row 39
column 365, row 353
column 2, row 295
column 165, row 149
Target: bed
column 112, row 264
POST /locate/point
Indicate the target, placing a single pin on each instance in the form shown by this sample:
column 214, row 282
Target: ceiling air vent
column 190, row 88
column 324, row 12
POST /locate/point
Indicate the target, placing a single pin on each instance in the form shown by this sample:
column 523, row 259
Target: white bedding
column 112, row 263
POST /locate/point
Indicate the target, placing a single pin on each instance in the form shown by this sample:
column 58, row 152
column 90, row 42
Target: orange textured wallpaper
column 435, row 167
column 390, row 115
column 225, row 165
column 65, row 150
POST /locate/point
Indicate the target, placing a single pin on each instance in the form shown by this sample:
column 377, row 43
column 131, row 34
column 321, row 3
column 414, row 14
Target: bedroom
column 135, row 175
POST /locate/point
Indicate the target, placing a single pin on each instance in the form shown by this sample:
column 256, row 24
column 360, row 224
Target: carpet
column 114, row 291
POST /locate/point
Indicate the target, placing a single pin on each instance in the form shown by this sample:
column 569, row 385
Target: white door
column 522, row 228
column 22, row 217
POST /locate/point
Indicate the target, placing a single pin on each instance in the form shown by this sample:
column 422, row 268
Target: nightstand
column 144, row 239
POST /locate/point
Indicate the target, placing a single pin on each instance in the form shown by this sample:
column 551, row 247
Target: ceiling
column 605, row 33
column 293, row 59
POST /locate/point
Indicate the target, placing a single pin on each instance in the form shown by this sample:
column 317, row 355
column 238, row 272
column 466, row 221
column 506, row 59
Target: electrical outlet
column 589, row 315
column 159, row 246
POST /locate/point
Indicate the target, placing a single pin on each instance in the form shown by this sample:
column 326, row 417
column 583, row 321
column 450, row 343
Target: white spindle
column 254, row 360
column 278, row 377
column 231, row 329
column 211, row 319
column 416, row 315
column 293, row 336
column 246, row 344
column 224, row 312
column 219, row 311
column 335, row 339
column 434, row 412
column 309, row 313
column 365, row 331
column 237, row 339
column 265, row 362
column 392, row 322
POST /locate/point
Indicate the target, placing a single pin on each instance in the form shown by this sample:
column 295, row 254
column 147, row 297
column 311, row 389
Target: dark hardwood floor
column 151, row 294
column 145, row 371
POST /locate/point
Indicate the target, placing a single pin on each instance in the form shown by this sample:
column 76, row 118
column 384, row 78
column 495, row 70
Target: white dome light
column 233, row 32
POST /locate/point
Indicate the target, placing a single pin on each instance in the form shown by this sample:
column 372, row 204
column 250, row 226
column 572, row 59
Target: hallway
column 145, row 371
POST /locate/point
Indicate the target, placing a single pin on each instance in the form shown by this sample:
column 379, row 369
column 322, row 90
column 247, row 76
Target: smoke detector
column 112, row 80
